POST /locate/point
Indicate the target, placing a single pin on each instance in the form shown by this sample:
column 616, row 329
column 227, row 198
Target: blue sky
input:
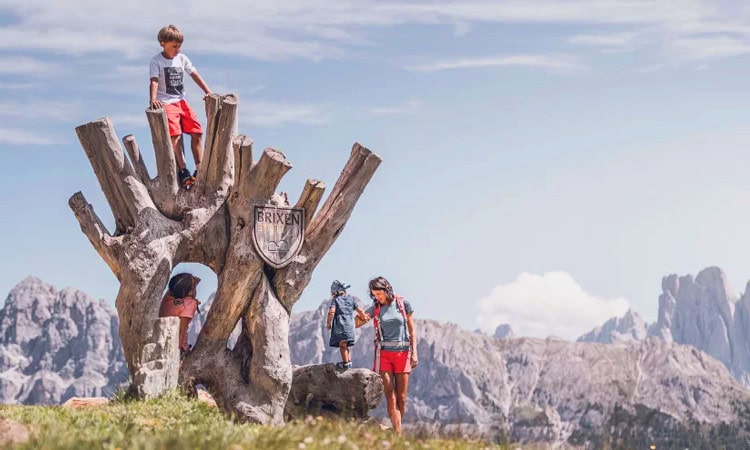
column 544, row 163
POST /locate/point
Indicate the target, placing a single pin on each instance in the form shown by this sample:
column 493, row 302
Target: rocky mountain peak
column 629, row 327
column 55, row 344
column 504, row 331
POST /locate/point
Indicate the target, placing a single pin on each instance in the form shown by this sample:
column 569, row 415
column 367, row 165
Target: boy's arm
column 200, row 82
column 329, row 320
column 152, row 88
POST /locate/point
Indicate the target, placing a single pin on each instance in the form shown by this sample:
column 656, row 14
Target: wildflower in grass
column 302, row 445
column 326, row 441
column 341, row 439
column 308, row 440
column 385, row 444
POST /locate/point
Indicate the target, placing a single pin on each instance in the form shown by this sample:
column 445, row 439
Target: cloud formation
column 15, row 136
column 275, row 114
column 318, row 29
column 553, row 63
column 408, row 107
column 553, row 304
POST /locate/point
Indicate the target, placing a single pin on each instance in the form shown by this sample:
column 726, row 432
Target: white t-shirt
column 171, row 76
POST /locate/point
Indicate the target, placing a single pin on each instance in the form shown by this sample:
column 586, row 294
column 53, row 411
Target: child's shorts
column 396, row 362
column 182, row 119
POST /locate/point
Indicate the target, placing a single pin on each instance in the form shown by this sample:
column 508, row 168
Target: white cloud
column 319, row 29
column 53, row 110
column 609, row 42
column 408, row 107
column 553, row 63
column 129, row 120
column 275, row 114
column 711, row 47
column 15, row 65
column 543, row 305
column 14, row 136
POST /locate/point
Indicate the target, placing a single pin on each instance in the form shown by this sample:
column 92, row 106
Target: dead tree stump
column 159, row 225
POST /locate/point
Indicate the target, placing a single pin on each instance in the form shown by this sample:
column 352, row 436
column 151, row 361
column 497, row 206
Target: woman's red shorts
column 396, row 362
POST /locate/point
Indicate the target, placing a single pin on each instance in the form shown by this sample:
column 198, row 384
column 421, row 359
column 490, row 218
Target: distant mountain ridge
column 701, row 311
column 57, row 344
column 548, row 390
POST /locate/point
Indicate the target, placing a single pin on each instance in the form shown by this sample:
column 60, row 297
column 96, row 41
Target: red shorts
column 182, row 119
column 396, row 362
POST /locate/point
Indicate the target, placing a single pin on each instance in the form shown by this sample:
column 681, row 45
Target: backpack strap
column 402, row 308
column 378, row 336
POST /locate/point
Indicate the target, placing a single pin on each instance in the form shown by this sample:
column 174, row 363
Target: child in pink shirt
column 180, row 301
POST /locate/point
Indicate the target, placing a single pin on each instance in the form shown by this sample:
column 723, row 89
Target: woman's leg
column 402, row 385
column 390, row 399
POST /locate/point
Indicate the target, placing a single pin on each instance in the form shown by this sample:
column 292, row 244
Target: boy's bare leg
column 178, row 153
column 344, row 349
column 196, row 145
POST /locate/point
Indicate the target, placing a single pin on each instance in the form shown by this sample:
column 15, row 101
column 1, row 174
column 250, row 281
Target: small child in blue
column 341, row 322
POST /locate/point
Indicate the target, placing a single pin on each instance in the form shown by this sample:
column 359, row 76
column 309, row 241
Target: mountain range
column 633, row 385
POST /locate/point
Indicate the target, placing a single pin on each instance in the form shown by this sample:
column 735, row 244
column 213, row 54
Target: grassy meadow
column 176, row 422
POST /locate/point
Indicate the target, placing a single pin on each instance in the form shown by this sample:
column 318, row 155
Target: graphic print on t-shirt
column 173, row 80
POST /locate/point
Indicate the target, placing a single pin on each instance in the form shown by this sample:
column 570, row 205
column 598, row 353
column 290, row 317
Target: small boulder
column 325, row 389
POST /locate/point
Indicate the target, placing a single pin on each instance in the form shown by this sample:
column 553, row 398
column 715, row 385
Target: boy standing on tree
column 340, row 321
column 167, row 90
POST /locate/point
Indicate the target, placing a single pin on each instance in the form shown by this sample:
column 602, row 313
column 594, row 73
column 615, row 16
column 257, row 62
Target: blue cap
column 338, row 286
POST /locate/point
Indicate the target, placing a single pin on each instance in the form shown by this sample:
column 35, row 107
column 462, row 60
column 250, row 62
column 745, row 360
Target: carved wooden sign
column 278, row 233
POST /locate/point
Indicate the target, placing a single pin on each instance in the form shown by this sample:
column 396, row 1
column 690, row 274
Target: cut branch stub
column 160, row 225
column 107, row 246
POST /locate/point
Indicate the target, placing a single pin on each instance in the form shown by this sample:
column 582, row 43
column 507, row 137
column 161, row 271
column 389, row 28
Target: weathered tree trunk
column 158, row 225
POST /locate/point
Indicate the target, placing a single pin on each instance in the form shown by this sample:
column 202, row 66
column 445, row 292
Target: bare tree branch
column 135, row 158
column 94, row 229
column 217, row 170
column 213, row 108
column 166, row 166
column 310, row 197
column 126, row 196
column 243, row 158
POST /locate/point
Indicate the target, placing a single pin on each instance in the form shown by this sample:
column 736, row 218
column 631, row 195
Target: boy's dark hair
column 170, row 33
column 181, row 284
column 381, row 284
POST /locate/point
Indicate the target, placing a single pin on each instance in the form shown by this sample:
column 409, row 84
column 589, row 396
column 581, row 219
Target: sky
column 545, row 163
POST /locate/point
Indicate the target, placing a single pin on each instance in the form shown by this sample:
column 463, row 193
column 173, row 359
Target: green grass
column 173, row 421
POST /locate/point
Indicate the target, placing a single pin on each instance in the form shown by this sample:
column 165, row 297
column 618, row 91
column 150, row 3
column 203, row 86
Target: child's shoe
column 343, row 365
column 186, row 180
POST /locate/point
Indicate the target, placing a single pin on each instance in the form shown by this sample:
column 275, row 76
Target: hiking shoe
column 186, row 180
column 343, row 365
